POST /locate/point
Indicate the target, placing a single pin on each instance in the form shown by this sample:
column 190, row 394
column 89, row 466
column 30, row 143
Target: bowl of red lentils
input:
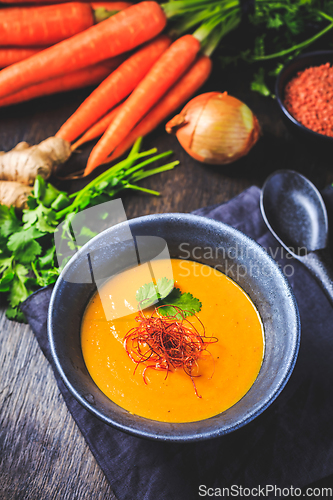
column 304, row 92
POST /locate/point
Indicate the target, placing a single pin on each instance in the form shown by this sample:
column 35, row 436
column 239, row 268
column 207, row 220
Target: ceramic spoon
column 295, row 213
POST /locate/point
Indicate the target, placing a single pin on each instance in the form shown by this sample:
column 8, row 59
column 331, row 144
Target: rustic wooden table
column 42, row 453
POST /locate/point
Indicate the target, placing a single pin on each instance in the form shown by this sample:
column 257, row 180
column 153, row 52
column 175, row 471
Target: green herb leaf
column 188, row 304
column 147, row 295
column 9, row 223
column 44, row 219
column 168, row 297
column 259, row 46
column 5, row 282
column 14, row 313
column 258, row 84
column 50, row 195
column 164, row 287
column 19, row 292
column 24, row 246
column 47, row 259
column 275, row 21
column 44, row 278
column 6, row 263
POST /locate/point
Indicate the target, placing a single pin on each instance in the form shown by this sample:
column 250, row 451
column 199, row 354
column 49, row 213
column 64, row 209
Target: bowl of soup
column 173, row 327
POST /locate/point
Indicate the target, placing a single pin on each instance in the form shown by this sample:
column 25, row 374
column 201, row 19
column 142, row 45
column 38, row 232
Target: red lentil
column 309, row 98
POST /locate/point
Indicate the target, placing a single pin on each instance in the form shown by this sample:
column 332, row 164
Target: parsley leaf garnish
column 164, row 294
column 164, row 287
column 184, row 301
column 147, row 295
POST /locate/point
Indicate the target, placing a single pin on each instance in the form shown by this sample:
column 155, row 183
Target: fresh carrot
column 114, row 88
column 12, row 55
column 176, row 97
column 118, row 34
column 115, row 6
column 25, row 1
column 111, row 6
column 104, row 10
column 97, row 129
column 119, row 5
column 165, row 72
column 74, row 80
column 43, row 25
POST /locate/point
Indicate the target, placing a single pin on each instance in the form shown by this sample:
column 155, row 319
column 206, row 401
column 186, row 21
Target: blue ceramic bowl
column 288, row 72
column 263, row 282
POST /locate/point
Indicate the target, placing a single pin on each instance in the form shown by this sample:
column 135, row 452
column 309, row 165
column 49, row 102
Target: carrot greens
column 270, row 34
column 276, row 32
column 27, row 256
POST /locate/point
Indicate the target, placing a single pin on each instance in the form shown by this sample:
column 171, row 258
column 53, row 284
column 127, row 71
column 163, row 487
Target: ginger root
column 24, row 162
column 14, row 193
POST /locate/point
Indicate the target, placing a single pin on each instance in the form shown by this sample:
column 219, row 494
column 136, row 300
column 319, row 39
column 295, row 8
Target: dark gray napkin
column 290, row 444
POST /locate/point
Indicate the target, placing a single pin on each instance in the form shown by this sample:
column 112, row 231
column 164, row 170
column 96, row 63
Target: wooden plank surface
column 42, row 453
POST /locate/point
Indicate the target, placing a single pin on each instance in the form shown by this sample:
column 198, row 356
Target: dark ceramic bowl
column 239, row 256
column 289, row 71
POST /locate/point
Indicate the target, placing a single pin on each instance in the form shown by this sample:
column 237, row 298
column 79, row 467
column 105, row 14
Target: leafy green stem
column 295, row 47
column 139, row 188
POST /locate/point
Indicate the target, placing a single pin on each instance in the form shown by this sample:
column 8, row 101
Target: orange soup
column 226, row 373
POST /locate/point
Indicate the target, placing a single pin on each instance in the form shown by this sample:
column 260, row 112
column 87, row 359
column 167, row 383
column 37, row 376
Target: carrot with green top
column 104, row 10
column 118, row 34
column 73, row 80
column 114, row 88
column 165, row 72
column 97, row 129
column 183, row 90
column 43, row 25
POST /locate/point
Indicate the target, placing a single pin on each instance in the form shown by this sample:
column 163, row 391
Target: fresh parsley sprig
column 163, row 293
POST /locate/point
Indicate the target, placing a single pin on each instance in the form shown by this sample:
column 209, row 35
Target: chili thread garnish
column 165, row 342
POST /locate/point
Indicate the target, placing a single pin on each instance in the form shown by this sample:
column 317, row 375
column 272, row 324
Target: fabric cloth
column 289, row 445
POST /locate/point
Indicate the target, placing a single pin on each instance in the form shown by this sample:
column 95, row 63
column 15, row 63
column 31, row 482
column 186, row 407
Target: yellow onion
column 215, row 128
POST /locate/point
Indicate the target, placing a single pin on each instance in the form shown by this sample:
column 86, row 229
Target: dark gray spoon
column 295, row 213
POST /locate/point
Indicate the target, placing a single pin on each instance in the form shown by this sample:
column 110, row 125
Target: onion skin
column 215, row 128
